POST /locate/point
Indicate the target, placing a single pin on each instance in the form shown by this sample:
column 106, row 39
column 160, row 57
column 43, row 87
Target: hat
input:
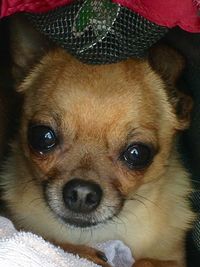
column 98, row 31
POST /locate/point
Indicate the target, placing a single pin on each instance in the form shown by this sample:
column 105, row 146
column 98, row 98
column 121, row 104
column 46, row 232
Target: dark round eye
column 138, row 156
column 41, row 138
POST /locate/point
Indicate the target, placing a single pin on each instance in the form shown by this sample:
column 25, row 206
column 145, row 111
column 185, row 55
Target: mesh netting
column 98, row 32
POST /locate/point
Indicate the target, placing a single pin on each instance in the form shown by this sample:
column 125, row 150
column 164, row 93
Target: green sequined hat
column 98, row 32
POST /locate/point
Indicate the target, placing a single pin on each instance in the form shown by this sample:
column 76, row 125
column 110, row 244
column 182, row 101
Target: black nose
column 82, row 196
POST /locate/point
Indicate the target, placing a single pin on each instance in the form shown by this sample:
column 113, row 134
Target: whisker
column 140, row 201
column 152, row 202
column 25, row 184
column 35, row 199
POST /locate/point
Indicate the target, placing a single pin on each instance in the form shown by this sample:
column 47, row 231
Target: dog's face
column 90, row 136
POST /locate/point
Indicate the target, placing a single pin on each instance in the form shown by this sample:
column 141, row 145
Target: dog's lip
column 78, row 223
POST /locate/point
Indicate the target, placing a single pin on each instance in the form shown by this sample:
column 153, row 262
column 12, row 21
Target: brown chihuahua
column 95, row 158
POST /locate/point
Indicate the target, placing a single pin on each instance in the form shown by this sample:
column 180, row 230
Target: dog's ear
column 27, row 47
column 169, row 64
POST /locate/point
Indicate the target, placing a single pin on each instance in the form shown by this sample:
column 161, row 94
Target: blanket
column 25, row 249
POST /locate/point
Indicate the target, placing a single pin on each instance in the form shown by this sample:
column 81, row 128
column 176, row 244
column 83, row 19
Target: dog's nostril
column 91, row 198
column 82, row 196
column 73, row 196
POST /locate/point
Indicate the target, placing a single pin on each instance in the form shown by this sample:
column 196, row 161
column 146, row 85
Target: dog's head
column 90, row 136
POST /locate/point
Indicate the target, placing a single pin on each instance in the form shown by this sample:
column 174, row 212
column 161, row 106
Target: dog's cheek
column 128, row 181
column 42, row 167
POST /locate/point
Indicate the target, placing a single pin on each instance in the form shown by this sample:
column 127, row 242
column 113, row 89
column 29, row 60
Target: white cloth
column 24, row 249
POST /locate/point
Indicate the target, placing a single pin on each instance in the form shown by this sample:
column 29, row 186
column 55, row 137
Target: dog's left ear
column 169, row 64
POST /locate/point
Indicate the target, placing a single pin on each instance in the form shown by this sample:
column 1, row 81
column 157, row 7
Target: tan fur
column 98, row 110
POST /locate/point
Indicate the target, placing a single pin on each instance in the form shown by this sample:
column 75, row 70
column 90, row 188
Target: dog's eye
column 137, row 156
column 41, row 138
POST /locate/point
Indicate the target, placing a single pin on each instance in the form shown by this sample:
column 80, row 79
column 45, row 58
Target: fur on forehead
column 59, row 65
column 63, row 81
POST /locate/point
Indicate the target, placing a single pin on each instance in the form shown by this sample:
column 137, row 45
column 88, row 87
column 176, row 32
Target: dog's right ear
column 27, row 47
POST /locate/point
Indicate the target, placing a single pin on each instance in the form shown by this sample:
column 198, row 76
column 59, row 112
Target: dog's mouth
column 81, row 222
column 102, row 215
column 93, row 219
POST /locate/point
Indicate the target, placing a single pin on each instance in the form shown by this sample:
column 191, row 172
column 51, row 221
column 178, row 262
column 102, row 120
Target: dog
column 95, row 156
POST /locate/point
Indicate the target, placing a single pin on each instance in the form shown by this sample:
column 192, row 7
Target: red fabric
column 169, row 13
column 9, row 7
